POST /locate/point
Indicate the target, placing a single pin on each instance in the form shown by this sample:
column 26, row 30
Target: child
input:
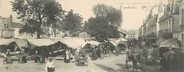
column 50, row 65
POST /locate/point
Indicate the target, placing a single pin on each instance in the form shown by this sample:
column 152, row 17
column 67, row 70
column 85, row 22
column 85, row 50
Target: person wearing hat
column 50, row 67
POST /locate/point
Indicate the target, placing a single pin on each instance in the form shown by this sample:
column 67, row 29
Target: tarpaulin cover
column 21, row 43
column 115, row 42
column 6, row 41
column 93, row 42
column 74, row 42
column 40, row 42
column 171, row 42
column 121, row 40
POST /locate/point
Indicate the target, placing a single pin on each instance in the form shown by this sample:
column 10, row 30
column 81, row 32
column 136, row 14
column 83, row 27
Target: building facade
column 166, row 24
column 169, row 22
column 148, row 31
column 181, row 23
column 6, row 29
column 132, row 34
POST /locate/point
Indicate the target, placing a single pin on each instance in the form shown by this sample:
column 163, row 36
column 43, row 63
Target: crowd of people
column 80, row 56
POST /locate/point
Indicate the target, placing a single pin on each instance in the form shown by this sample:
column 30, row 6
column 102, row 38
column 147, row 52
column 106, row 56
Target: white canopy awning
column 6, row 41
column 74, row 42
column 121, row 40
column 170, row 42
column 21, row 43
column 115, row 42
column 93, row 42
column 41, row 42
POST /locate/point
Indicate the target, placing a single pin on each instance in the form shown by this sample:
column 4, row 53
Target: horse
column 140, row 58
column 133, row 59
column 135, row 56
column 155, row 60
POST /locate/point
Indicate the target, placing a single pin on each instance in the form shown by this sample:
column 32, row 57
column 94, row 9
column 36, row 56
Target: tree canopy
column 105, row 23
column 30, row 27
column 72, row 23
column 39, row 11
column 113, row 15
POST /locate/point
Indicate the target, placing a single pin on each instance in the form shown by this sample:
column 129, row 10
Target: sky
column 133, row 11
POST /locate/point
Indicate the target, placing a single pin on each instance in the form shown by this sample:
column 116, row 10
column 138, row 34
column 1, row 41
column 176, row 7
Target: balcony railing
column 169, row 30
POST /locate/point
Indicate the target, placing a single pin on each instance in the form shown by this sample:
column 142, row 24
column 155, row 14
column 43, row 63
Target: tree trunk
column 39, row 28
column 38, row 31
column 54, row 31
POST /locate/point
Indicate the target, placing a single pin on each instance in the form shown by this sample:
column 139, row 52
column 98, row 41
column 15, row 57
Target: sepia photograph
column 91, row 35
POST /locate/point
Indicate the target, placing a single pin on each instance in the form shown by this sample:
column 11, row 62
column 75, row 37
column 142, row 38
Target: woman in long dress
column 67, row 57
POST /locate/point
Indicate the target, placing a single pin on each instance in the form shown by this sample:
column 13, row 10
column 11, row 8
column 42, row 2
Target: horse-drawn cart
column 170, row 57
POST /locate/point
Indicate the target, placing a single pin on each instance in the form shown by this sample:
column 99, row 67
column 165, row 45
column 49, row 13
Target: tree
column 72, row 23
column 113, row 15
column 105, row 24
column 54, row 13
column 37, row 10
column 30, row 27
column 98, row 27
